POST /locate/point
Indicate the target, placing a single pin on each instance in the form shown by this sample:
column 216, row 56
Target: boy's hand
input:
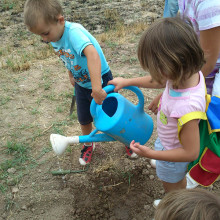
column 141, row 150
column 99, row 96
column 118, row 82
column 72, row 81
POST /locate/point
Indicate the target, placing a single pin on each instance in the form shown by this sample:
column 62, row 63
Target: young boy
column 82, row 55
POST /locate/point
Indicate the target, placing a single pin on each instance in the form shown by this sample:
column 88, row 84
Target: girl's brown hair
column 170, row 48
column 189, row 204
column 48, row 10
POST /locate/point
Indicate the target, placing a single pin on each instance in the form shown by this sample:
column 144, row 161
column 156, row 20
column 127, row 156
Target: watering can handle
column 110, row 88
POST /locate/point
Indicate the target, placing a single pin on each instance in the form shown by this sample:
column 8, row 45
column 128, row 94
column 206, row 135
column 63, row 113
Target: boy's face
column 51, row 32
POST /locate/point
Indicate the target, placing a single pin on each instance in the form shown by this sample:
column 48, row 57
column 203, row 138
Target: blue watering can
column 117, row 118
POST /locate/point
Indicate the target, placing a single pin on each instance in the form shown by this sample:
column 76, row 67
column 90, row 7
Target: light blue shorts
column 170, row 172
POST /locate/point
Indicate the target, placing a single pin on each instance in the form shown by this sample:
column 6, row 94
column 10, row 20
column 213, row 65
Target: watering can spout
column 60, row 143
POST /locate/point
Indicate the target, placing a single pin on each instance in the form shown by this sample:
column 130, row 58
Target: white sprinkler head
column 60, row 143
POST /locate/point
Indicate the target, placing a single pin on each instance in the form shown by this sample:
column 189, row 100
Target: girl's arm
column 94, row 66
column 210, row 43
column 188, row 152
column 154, row 104
column 144, row 82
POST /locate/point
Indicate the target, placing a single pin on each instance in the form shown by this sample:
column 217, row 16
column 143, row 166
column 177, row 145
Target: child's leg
column 86, row 152
column 83, row 100
column 168, row 187
column 174, row 186
column 86, row 130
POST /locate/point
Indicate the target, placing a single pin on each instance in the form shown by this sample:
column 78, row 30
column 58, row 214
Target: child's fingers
column 110, row 82
column 132, row 142
column 150, row 106
column 134, row 145
column 134, row 149
column 153, row 108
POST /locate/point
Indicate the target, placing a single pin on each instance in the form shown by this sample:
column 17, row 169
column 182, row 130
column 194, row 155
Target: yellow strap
column 208, row 100
column 188, row 117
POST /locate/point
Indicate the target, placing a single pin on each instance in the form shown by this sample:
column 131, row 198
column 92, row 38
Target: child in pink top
column 169, row 49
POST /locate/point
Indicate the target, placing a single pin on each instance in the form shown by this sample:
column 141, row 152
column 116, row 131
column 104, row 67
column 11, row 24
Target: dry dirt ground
column 35, row 99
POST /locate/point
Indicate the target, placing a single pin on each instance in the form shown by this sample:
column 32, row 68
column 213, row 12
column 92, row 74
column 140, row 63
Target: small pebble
column 14, row 190
column 151, row 177
column 24, row 207
column 11, row 170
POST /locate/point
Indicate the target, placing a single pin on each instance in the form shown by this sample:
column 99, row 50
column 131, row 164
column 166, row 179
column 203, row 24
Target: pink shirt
column 173, row 105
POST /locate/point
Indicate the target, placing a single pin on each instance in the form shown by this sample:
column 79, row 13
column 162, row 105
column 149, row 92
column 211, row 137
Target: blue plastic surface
column 120, row 119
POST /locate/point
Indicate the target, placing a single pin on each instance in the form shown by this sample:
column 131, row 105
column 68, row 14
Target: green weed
column 66, row 94
column 34, row 111
column 9, row 203
column 73, row 116
column 7, row 5
column 47, row 85
column 18, row 157
column 111, row 44
column 3, row 188
column 59, row 109
column 51, row 97
column 18, row 150
column 58, row 130
column 128, row 175
column 4, row 100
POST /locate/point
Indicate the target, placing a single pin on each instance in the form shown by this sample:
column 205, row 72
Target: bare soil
column 35, row 102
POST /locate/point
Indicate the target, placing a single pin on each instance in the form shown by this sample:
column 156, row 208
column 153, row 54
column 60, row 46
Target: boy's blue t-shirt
column 70, row 49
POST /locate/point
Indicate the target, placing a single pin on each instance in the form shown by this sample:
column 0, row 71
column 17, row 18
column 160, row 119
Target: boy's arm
column 189, row 152
column 94, row 66
column 143, row 82
column 210, row 43
column 72, row 81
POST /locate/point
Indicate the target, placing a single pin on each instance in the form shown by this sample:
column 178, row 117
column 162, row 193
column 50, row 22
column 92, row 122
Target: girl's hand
column 141, row 150
column 118, row 82
column 154, row 104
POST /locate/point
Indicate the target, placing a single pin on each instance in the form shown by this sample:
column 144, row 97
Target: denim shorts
column 170, row 172
column 84, row 98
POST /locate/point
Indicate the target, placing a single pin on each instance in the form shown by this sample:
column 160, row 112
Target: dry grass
column 107, row 165
column 19, row 58
column 122, row 33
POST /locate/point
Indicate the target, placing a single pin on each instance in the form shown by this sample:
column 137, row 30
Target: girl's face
column 49, row 32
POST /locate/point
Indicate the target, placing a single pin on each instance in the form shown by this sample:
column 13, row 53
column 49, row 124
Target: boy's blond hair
column 189, row 204
column 170, row 48
column 48, row 10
